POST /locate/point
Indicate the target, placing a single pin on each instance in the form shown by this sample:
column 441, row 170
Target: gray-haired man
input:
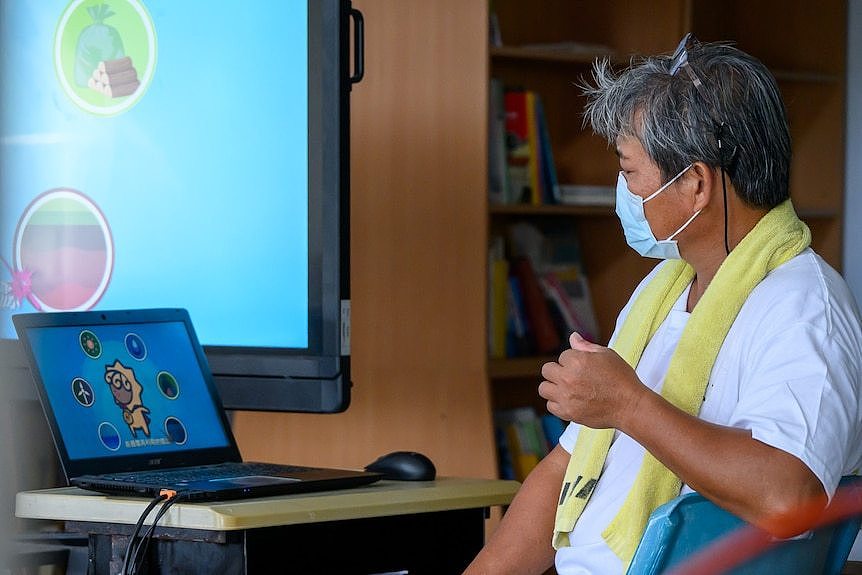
column 734, row 369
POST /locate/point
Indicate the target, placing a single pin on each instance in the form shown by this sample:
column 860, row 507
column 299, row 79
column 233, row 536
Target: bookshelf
column 421, row 219
column 547, row 47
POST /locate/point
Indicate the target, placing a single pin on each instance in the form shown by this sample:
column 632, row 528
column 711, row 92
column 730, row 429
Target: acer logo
column 155, row 461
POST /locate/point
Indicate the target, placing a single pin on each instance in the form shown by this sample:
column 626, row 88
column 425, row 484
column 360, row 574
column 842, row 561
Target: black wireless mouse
column 404, row 466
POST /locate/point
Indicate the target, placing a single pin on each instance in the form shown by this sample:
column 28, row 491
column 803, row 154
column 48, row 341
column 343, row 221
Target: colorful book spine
column 498, row 173
column 534, row 158
column 545, row 338
column 498, row 303
column 547, row 167
column 560, row 298
column 523, row 158
column 553, row 427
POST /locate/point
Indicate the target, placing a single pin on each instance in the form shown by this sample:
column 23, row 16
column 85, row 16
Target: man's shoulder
column 805, row 289
column 805, row 275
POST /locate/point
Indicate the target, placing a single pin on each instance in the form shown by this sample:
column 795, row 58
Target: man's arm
column 755, row 481
column 521, row 543
column 765, row 486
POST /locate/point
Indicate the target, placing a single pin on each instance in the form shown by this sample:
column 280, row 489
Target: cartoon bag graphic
column 98, row 42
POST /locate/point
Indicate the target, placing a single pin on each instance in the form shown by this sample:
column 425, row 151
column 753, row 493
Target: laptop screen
column 126, row 389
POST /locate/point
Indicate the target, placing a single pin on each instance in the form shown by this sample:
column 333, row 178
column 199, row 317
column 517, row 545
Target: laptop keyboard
column 203, row 473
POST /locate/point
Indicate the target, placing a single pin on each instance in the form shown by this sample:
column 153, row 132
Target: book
column 498, row 176
column 523, row 460
column 517, row 329
column 547, row 168
column 566, row 282
column 575, row 195
column 534, row 159
column 520, row 147
column 525, row 443
column 545, row 338
column 553, row 427
column 495, row 38
column 577, row 289
column 505, row 466
column 498, row 304
column 569, row 310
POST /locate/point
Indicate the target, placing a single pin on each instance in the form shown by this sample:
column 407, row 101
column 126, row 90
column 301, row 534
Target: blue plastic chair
column 683, row 526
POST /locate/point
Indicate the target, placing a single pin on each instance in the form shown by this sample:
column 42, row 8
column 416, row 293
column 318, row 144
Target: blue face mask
column 639, row 236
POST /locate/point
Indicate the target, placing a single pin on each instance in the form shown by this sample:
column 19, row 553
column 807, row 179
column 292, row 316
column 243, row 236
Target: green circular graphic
column 105, row 54
column 168, row 385
column 90, row 344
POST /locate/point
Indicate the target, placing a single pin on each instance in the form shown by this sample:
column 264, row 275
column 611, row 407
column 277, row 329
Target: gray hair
column 673, row 122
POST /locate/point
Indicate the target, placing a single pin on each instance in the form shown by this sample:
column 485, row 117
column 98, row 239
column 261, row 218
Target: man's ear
column 703, row 179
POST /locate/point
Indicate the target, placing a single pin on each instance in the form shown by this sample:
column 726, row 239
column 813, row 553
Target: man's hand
column 591, row 385
column 763, row 485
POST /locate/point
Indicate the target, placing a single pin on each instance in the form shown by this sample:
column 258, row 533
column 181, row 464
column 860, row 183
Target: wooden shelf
column 608, row 211
column 817, row 214
column 588, row 55
column 550, row 54
column 549, row 210
column 517, row 367
column 802, row 76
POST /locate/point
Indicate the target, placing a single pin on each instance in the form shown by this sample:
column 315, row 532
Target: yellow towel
column 777, row 237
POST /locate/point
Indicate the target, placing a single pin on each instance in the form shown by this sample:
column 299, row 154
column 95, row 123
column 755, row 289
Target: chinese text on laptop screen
column 124, row 390
column 155, row 153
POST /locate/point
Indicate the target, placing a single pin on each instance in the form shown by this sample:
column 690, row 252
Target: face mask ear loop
column 682, row 227
column 669, row 182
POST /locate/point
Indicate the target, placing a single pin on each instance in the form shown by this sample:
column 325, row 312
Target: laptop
column 133, row 410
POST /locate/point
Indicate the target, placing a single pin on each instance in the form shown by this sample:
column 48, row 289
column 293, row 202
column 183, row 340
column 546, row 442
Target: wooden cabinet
column 549, row 46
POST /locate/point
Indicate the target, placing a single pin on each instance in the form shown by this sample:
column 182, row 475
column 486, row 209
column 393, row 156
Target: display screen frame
column 316, row 378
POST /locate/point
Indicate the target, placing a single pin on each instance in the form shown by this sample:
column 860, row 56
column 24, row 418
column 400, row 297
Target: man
column 734, row 369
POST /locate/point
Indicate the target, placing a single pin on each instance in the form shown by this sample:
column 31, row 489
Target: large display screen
column 153, row 154
column 185, row 154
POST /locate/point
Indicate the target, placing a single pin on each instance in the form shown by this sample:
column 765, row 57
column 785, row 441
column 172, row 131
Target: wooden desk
column 420, row 527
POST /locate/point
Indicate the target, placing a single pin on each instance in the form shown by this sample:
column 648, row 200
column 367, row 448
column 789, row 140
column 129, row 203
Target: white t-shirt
column 790, row 370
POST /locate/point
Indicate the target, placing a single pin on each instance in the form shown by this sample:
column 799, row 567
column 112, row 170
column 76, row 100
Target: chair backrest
column 690, row 522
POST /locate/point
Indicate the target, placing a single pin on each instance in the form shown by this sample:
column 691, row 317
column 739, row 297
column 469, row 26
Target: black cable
column 161, row 497
column 719, row 132
column 724, row 189
column 144, row 543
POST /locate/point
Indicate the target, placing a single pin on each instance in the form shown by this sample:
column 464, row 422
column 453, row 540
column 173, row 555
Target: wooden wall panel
column 418, row 137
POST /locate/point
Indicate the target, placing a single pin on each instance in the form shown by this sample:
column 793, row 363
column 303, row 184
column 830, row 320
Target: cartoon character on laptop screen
column 127, row 391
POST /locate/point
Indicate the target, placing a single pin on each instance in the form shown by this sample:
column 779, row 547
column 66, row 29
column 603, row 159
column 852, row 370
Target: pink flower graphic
column 21, row 285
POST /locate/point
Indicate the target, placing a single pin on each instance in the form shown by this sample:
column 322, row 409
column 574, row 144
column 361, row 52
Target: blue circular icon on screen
column 136, row 346
column 176, row 430
column 83, row 392
column 109, row 436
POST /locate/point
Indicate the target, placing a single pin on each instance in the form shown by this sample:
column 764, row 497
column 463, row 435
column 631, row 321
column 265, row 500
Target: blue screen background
column 61, row 360
column 203, row 181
